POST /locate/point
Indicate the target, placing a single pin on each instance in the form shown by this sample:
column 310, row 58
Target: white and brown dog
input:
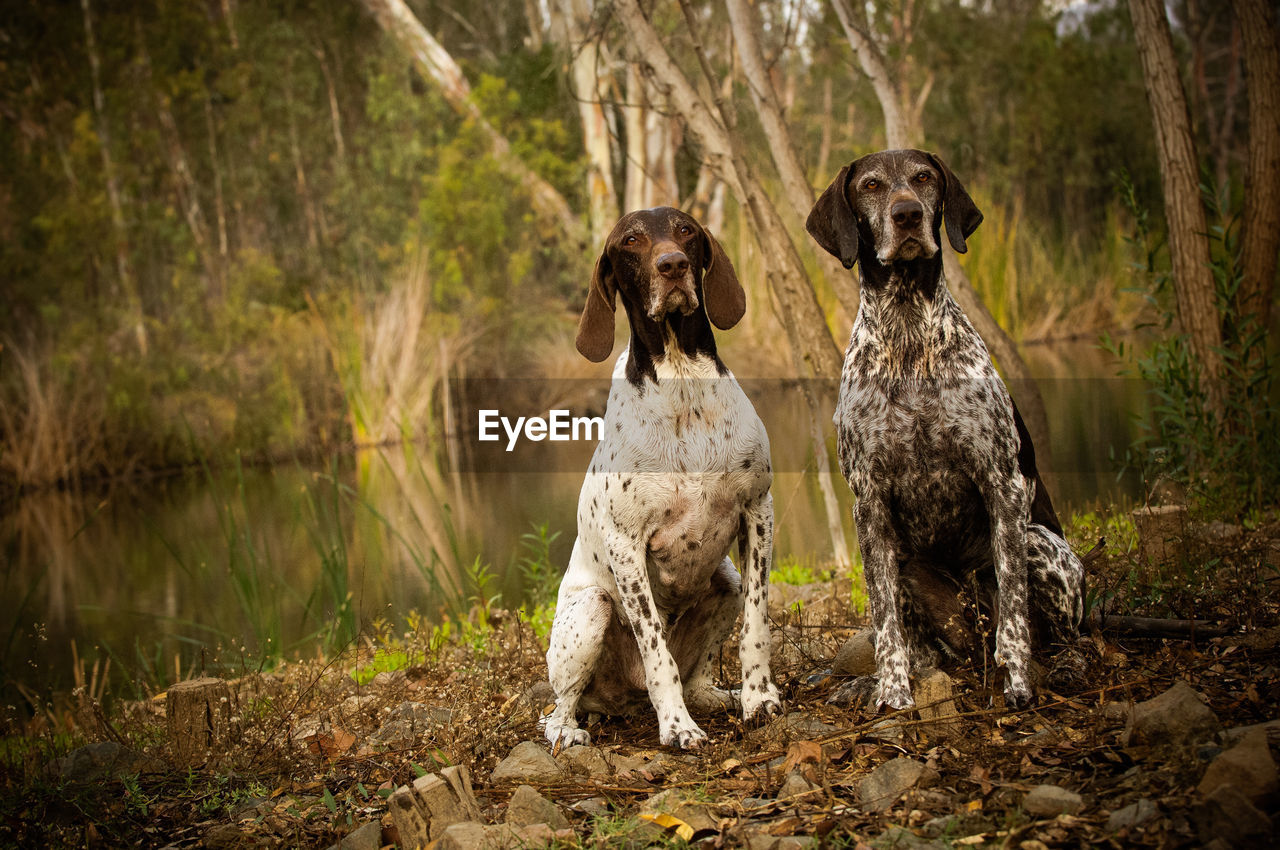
column 681, row 472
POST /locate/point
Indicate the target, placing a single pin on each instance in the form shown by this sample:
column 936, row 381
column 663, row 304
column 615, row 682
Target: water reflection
column 213, row 570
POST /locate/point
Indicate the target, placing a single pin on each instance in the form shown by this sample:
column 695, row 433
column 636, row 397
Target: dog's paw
column 562, row 737
column 1017, row 693
column 760, row 704
column 895, row 694
column 686, row 739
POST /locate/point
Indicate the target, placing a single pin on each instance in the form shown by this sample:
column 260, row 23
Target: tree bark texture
column 399, row 22
column 897, row 130
column 1261, row 231
column 795, row 183
column 1193, row 283
column 814, row 350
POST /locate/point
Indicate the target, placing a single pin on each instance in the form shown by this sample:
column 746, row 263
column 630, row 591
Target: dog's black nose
column 907, row 213
column 674, row 264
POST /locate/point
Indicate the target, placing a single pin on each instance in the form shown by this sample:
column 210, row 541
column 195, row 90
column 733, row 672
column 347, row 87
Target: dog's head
column 662, row 264
column 890, row 206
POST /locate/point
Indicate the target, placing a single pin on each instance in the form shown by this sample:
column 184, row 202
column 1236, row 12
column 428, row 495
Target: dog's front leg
column 662, row 676
column 879, row 545
column 759, row 693
column 1009, row 550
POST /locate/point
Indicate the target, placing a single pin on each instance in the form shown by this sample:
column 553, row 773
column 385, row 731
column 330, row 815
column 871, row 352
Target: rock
column 251, row 807
column 1132, row 815
column 93, row 762
column 1248, row 766
column 468, row 835
column 853, row 693
column 1046, row 801
column 901, row 838
column 1161, row 530
column 1176, row 717
column 884, row 785
column 765, row 841
column 699, row 816
column 857, row 657
column 804, row 723
column 389, row 680
column 794, row 784
column 592, row 807
column 198, row 714
column 587, row 761
column 527, row 806
column 933, row 692
column 367, row 837
column 528, row 762
column 1227, row 815
column 408, row 720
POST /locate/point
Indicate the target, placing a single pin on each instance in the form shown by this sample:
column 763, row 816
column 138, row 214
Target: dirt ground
column 303, row 756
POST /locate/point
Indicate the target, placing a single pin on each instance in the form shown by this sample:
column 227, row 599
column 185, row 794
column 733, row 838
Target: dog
column 681, row 472
column 941, row 465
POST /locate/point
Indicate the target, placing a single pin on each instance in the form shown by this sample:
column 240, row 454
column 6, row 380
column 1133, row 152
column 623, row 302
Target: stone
column 1046, row 801
column 794, row 784
column 804, row 723
column 527, row 806
column 528, row 762
column 593, row 807
column 857, row 657
column 699, row 816
column 198, row 715
column 1248, row 766
column 1134, row 814
column 1161, row 529
column 884, row 785
column 1227, row 815
column 1176, row 717
column 933, row 692
column 901, row 838
column 853, row 693
column 367, row 837
column 407, row 721
column 468, row 835
column 586, row 761
column 92, row 762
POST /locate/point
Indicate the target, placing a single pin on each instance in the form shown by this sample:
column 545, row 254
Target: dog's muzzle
column 672, row 287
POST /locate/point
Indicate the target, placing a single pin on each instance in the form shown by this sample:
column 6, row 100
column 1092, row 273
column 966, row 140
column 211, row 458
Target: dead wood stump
column 199, row 718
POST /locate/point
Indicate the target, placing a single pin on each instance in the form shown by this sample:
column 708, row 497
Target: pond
column 215, row 570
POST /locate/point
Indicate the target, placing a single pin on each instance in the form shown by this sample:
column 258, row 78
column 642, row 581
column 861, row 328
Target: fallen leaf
column 802, row 752
column 667, row 821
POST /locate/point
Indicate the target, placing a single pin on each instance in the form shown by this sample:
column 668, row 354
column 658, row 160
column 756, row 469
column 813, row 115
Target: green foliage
column 1226, row 458
column 789, row 569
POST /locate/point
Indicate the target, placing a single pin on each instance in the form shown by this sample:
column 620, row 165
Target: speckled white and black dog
column 681, row 472
column 939, row 460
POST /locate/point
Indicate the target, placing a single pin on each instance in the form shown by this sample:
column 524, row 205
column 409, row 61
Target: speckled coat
column 681, row 473
column 941, row 465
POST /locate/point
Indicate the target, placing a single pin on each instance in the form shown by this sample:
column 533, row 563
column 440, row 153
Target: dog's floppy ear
column 961, row 215
column 832, row 223
column 595, row 328
column 721, row 291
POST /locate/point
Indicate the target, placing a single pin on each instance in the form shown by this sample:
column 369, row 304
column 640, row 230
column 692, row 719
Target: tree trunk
column 115, row 198
column 897, row 130
column 1179, row 170
column 590, row 89
column 814, row 350
column 795, row 184
column 1261, row 228
column 399, row 22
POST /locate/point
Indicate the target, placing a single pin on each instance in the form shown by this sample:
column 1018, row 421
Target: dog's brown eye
column 871, row 185
column 685, row 230
column 922, row 177
column 630, row 240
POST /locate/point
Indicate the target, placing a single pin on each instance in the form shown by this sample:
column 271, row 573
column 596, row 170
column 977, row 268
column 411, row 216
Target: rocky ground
column 1162, row 742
